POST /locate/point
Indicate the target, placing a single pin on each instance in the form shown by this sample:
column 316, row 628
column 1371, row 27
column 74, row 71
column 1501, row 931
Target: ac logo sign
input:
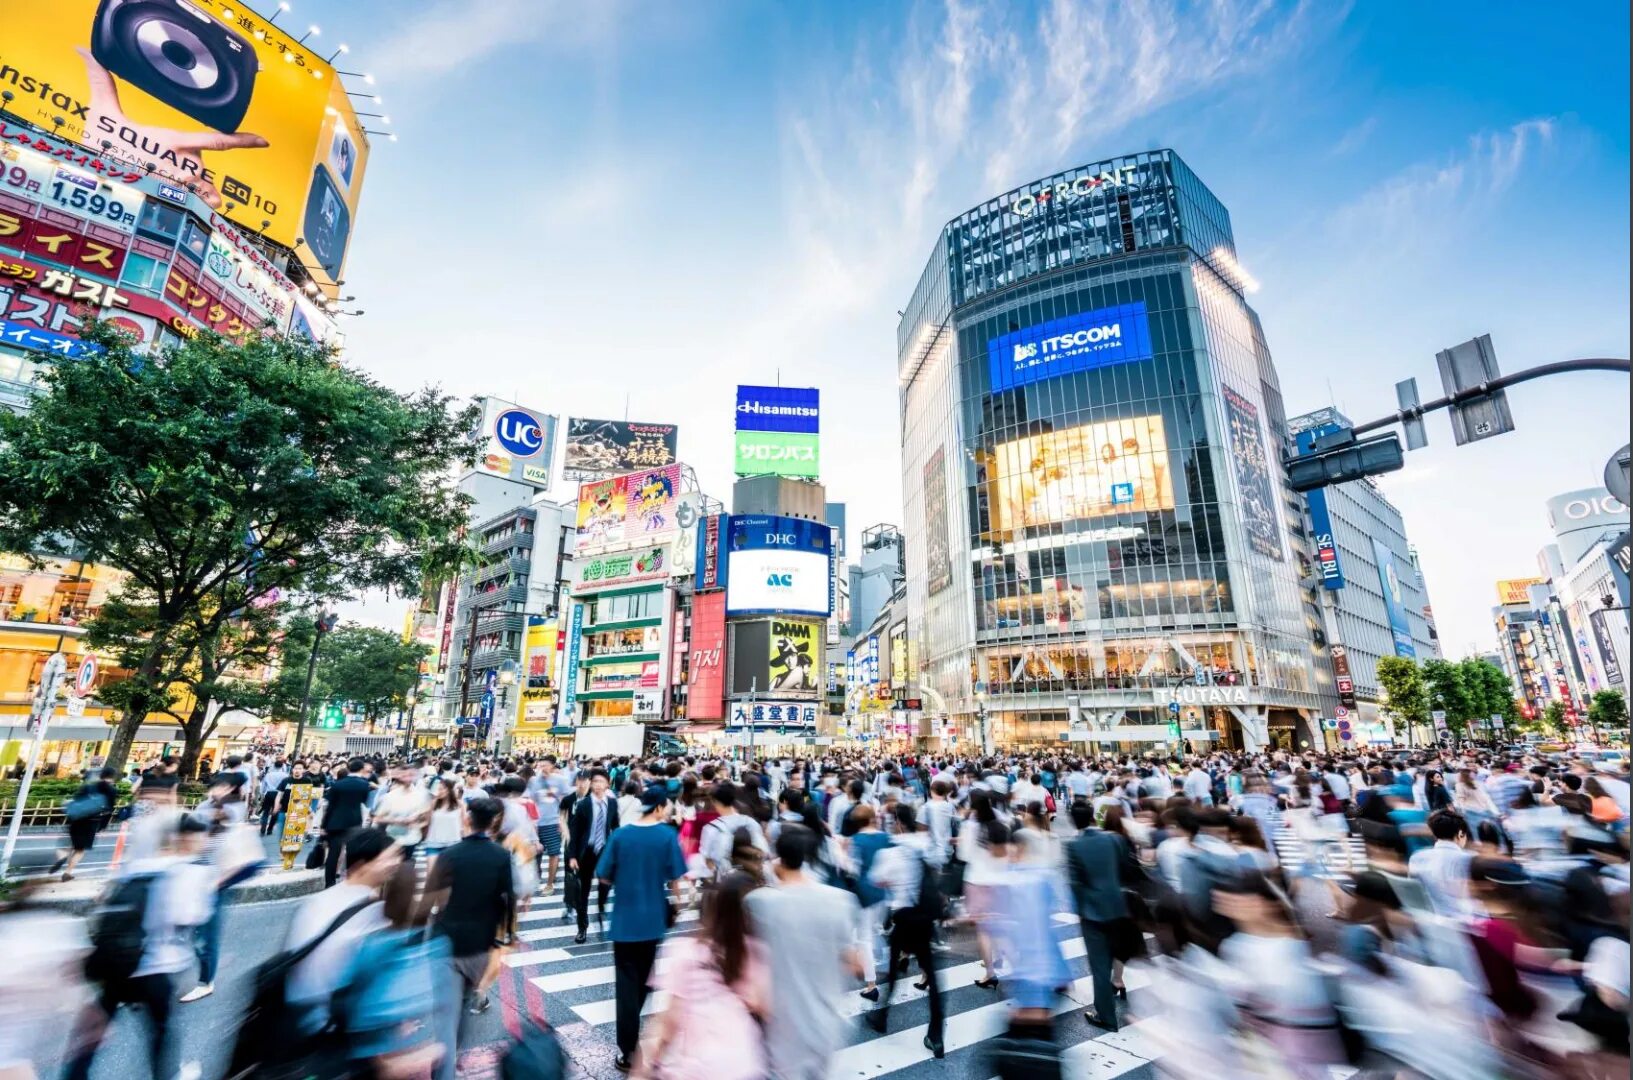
column 780, row 581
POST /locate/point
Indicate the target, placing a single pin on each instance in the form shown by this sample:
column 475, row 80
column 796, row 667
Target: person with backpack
column 719, row 836
column 87, row 814
column 141, row 938
column 907, row 870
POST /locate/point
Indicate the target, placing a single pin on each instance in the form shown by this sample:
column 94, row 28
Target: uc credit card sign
column 1095, row 339
column 796, row 410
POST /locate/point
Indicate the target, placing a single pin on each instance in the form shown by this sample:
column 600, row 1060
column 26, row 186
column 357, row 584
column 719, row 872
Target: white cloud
column 451, row 34
column 1419, row 202
column 1353, row 139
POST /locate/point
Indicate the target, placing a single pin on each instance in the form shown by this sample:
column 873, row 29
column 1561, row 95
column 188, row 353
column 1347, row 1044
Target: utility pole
column 752, row 685
column 39, row 718
column 321, row 625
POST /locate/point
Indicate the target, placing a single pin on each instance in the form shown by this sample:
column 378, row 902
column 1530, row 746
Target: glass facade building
column 1096, row 525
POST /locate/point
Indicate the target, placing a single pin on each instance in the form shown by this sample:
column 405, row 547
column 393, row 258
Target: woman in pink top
column 715, row 987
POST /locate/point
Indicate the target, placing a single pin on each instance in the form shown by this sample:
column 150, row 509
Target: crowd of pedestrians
column 766, row 904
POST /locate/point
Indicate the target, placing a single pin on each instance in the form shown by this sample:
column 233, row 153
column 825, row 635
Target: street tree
column 1489, row 690
column 222, row 475
column 1447, row 693
column 1553, row 719
column 1607, row 712
column 369, row 669
column 1406, row 699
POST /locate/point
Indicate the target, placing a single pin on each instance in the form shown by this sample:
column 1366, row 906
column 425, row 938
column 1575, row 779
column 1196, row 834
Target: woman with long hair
column 447, row 826
column 716, row 985
column 983, row 871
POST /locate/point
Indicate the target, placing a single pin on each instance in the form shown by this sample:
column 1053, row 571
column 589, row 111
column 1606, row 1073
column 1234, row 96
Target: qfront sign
column 1114, row 335
column 1071, row 190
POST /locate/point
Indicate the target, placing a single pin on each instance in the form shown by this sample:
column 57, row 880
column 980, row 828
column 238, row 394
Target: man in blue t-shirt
column 640, row 862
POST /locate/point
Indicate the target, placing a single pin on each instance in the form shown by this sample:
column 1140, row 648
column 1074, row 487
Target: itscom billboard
column 202, row 93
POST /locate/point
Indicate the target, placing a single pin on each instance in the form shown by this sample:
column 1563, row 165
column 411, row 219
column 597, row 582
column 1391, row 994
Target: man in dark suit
column 595, row 816
column 343, row 804
column 1094, row 860
column 470, row 888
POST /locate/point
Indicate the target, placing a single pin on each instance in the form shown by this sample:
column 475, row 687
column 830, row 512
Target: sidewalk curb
column 77, row 897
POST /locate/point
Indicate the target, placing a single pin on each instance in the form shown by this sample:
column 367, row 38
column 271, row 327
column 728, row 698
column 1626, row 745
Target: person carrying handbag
column 717, row 989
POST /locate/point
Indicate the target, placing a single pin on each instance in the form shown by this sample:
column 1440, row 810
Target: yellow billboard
column 203, row 94
column 1111, row 467
column 536, row 689
column 1516, row 590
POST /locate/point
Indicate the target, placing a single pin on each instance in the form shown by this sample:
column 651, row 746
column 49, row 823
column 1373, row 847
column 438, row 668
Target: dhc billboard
column 1096, row 339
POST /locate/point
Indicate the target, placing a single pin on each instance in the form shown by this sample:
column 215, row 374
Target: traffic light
column 334, row 717
column 1339, row 457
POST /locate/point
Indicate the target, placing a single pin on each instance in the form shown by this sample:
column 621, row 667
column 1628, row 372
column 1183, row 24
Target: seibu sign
column 1070, row 190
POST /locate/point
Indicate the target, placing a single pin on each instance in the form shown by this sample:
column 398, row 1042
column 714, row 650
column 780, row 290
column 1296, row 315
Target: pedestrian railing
column 46, row 816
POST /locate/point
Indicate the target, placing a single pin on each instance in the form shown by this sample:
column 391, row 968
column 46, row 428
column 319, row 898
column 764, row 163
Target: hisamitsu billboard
column 778, row 408
column 1096, row 339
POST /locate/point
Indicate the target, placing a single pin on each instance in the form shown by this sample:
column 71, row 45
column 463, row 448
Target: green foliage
column 1607, row 711
column 1490, row 691
column 1406, row 699
column 1447, row 691
column 372, row 670
column 1553, row 720
column 220, row 477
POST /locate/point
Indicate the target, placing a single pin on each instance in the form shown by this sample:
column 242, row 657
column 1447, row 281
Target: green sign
column 782, row 453
column 625, row 568
column 333, row 717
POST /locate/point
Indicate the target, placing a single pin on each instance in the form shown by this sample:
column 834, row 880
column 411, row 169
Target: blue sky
column 590, row 204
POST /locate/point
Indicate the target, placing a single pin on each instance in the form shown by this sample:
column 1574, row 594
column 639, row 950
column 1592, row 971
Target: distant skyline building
column 1367, row 587
column 1589, row 525
column 1095, row 518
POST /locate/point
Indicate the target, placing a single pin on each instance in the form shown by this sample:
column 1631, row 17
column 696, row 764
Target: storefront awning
column 90, row 731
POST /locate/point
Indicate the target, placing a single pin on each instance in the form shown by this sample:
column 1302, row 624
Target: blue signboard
column 778, row 408
column 1326, row 544
column 575, row 633
column 1394, row 600
column 34, row 339
column 778, row 565
column 1097, row 339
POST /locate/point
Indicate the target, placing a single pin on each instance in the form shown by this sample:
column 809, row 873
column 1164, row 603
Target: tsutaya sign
column 1026, row 205
column 1203, row 695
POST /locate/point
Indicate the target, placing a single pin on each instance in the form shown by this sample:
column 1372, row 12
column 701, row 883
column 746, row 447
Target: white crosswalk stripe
column 577, row 984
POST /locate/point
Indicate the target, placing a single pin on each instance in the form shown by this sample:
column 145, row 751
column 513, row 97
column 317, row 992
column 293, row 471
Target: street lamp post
column 321, row 625
column 981, row 720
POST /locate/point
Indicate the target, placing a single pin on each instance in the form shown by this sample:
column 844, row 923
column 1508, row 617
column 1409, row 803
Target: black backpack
column 118, row 930
column 269, row 1042
column 932, row 902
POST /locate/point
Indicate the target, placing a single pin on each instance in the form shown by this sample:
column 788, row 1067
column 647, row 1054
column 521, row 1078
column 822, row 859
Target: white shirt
column 1199, row 786
column 1443, row 870
column 180, row 899
column 404, row 802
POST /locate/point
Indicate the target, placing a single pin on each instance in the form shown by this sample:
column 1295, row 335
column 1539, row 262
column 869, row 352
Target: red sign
column 705, row 695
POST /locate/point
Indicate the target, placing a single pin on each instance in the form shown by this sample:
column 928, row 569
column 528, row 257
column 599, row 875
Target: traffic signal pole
column 1485, row 389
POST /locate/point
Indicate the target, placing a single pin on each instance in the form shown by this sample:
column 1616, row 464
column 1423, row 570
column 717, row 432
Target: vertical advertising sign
column 1341, row 674
column 777, row 431
column 1400, row 627
column 1326, row 545
column 706, row 689
column 711, row 565
column 1258, row 490
column 937, row 538
column 575, row 638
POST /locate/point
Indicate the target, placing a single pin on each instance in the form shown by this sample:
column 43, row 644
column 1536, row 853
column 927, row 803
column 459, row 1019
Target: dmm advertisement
column 776, row 453
column 937, row 559
column 1400, row 627
column 706, row 658
column 777, row 565
column 795, row 655
column 1096, row 339
column 637, row 508
column 1247, row 455
column 520, row 443
column 205, row 93
column 1119, row 466
column 597, row 449
column 779, row 408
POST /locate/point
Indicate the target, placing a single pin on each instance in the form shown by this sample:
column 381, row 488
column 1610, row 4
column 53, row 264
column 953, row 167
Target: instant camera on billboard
column 777, row 565
column 1247, row 455
column 1090, row 471
column 520, row 443
column 202, row 93
column 597, row 449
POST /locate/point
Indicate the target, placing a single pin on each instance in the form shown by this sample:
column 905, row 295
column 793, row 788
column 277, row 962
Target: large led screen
column 1095, row 339
column 1090, row 471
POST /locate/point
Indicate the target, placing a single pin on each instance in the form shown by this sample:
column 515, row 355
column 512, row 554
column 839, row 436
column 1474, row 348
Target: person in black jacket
column 471, row 891
column 91, row 809
column 344, row 802
column 595, row 816
column 1094, row 862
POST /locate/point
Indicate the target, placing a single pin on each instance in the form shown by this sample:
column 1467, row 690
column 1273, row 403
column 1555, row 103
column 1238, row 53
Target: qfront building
column 1096, row 525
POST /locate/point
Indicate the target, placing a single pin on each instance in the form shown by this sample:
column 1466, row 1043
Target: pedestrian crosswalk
column 576, row 984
